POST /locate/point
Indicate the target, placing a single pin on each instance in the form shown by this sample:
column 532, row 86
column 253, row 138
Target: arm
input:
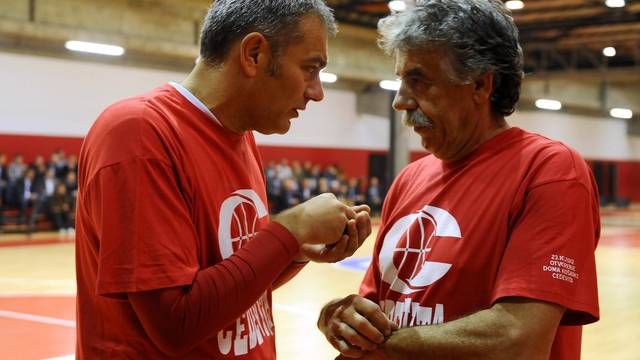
column 513, row 328
column 179, row 318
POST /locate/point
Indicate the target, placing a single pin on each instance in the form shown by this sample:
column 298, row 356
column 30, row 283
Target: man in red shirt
column 176, row 255
column 486, row 247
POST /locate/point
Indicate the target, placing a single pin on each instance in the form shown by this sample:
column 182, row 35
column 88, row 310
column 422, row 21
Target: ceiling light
column 94, row 48
column 615, row 3
column 621, row 113
column 547, row 104
column 397, row 5
column 326, row 77
column 393, row 85
column 514, row 4
column 609, row 51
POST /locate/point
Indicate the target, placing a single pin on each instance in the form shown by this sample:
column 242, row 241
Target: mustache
column 416, row 118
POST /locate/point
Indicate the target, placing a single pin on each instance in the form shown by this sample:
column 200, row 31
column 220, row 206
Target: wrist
column 289, row 218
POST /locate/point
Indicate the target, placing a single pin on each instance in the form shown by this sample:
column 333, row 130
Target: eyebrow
column 318, row 60
column 416, row 71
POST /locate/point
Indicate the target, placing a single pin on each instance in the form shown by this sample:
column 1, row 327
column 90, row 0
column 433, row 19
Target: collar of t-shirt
column 494, row 144
column 194, row 100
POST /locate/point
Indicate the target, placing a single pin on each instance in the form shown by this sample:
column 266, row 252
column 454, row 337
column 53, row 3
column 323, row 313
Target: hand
column 357, row 231
column 368, row 355
column 320, row 220
column 354, row 325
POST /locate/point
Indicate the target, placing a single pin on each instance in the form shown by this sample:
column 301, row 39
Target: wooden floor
column 37, row 288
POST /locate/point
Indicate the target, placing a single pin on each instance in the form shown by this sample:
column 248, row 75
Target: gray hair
column 479, row 36
column 230, row 20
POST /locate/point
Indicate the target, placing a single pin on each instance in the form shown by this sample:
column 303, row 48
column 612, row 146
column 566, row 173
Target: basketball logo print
column 406, row 247
column 239, row 216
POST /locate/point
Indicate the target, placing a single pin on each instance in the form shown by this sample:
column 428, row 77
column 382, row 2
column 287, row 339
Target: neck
column 500, row 126
column 211, row 85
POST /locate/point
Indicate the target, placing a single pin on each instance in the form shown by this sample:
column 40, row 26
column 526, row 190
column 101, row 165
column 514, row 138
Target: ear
column 483, row 87
column 254, row 53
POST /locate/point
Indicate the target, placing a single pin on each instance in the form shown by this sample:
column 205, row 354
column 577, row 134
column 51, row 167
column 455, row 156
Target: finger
column 365, row 328
column 363, row 221
column 335, row 251
column 375, row 316
column 346, row 335
column 363, row 207
column 349, row 212
column 346, row 351
column 354, row 241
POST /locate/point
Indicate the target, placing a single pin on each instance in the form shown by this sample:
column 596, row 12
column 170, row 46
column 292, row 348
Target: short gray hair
column 229, row 21
column 478, row 35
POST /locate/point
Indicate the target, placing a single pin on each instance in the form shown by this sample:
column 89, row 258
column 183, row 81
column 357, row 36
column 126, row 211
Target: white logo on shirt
column 240, row 213
column 403, row 259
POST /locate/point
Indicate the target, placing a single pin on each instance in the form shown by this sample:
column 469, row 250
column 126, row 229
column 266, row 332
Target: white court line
column 36, row 281
column 66, row 357
column 296, row 310
column 56, row 294
column 37, row 318
column 69, row 323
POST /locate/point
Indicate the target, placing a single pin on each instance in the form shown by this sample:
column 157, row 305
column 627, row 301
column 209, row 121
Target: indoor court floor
column 37, row 302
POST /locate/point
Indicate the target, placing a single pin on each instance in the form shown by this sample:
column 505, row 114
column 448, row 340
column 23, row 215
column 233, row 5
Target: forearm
column 178, row 319
column 502, row 332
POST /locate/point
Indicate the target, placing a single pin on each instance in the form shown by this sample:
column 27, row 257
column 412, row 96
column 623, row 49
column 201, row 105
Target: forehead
column 428, row 61
column 314, row 41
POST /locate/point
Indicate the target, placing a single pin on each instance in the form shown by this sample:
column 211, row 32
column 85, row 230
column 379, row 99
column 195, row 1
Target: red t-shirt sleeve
column 178, row 319
column 146, row 238
column 550, row 253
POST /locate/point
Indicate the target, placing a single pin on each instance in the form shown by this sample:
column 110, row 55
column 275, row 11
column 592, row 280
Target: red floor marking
column 61, row 307
column 28, row 242
column 30, row 339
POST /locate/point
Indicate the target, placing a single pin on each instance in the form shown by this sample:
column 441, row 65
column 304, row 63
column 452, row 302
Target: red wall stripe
column 354, row 162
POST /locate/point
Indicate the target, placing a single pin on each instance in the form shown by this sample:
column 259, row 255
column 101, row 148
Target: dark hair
column 478, row 35
column 230, row 20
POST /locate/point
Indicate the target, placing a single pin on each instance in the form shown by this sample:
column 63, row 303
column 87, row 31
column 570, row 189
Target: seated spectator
column 289, row 195
column 354, row 195
column 72, row 164
column 71, row 182
column 306, row 192
column 374, row 196
column 15, row 172
column 60, row 210
column 59, row 162
column 3, row 187
column 39, row 166
column 48, row 187
column 28, row 190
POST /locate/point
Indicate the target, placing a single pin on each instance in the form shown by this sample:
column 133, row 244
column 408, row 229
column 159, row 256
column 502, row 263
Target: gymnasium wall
column 50, row 103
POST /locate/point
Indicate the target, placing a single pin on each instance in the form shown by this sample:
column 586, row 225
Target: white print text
column 562, row 268
column 408, row 313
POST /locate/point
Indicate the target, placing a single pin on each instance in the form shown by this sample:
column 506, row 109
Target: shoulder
column 133, row 127
column 552, row 160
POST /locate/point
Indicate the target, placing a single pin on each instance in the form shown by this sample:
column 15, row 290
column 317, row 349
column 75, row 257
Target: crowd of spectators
column 288, row 185
column 48, row 188
column 37, row 189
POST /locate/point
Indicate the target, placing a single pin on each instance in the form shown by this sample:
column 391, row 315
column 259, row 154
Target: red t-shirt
column 518, row 217
column 165, row 192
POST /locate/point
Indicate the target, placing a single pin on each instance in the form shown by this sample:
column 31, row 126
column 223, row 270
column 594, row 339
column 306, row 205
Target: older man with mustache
column 486, row 247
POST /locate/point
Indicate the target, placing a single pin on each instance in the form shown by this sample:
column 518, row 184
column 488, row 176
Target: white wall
column 46, row 96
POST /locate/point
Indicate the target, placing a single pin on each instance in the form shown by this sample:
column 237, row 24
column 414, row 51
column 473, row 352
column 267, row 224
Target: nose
column 403, row 100
column 314, row 90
